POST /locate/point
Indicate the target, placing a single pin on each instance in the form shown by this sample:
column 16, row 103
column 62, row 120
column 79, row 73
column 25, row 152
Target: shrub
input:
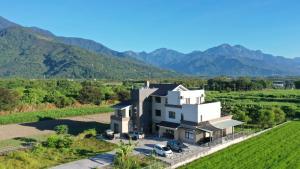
column 61, row 129
column 57, row 141
column 8, row 99
column 88, row 134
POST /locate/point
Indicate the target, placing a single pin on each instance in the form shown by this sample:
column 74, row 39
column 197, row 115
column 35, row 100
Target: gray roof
column 123, row 104
column 168, row 124
column 162, row 89
column 226, row 123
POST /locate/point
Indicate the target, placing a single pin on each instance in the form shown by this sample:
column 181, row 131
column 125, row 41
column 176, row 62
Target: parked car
column 135, row 135
column 162, row 150
column 109, row 134
column 176, row 145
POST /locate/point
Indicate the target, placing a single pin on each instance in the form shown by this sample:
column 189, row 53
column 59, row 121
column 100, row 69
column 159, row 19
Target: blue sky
column 272, row 26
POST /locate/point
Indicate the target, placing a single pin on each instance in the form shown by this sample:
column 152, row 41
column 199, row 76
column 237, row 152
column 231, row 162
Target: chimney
column 147, row 84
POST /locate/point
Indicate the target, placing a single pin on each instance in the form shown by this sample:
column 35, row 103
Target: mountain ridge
column 225, row 59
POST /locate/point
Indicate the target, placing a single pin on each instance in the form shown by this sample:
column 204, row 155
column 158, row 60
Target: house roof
column 226, row 123
column 123, row 104
column 162, row 89
column 168, row 124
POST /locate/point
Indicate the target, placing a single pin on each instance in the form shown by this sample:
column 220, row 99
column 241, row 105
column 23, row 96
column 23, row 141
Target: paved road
column 98, row 161
column 44, row 127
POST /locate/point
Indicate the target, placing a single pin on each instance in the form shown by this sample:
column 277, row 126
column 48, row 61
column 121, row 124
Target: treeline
column 21, row 95
column 223, row 83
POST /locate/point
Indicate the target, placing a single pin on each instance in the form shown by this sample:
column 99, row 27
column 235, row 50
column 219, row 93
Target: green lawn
column 17, row 142
column 52, row 114
column 275, row 149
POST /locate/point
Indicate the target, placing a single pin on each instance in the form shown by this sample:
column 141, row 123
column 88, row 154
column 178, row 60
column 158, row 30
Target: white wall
column 158, row 106
column 179, row 97
column 124, row 109
column 177, row 111
column 209, row 111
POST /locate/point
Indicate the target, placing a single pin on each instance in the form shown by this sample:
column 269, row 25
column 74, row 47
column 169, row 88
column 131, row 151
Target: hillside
column 24, row 53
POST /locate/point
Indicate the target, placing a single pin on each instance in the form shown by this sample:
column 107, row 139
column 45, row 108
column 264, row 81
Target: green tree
column 266, row 118
column 242, row 116
column 90, row 94
column 61, row 129
column 123, row 159
column 8, row 99
column 297, row 84
column 279, row 115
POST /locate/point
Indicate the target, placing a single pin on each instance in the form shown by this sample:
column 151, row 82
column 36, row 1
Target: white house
column 172, row 111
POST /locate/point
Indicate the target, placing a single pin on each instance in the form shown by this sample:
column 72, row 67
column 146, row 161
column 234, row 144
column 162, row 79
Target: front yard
column 51, row 152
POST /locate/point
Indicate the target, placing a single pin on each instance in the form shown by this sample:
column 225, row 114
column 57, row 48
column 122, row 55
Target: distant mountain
column 222, row 60
column 82, row 58
column 36, row 53
column 4, row 23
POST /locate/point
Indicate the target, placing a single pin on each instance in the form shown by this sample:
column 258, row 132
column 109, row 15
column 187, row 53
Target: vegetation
column 264, row 108
column 52, row 114
column 278, row 148
column 56, row 149
column 125, row 160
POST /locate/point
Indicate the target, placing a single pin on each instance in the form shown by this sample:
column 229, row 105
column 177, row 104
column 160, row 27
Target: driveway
column 98, row 161
column 144, row 147
column 75, row 124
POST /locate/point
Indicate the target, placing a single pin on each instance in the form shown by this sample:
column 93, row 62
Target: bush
column 57, row 141
column 88, row 134
column 90, row 94
column 61, row 129
column 8, row 99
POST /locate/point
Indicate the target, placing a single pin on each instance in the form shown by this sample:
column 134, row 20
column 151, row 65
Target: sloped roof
column 168, row 124
column 123, row 104
column 162, row 89
column 226, row 123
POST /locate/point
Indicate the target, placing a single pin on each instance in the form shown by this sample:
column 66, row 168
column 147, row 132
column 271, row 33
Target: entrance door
column 169, row 134
column 116, row 127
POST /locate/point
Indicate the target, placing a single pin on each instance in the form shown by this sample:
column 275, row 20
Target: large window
column 172, row 115
column 189, row 135
column 158, row 113
column 157, row 99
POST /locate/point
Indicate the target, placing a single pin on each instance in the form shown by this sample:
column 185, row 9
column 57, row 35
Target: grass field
column 278, row 148
column 41, row 157
column 262, row 97
column 52, row 114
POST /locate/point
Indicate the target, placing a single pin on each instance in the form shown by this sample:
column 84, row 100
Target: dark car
column 176, row 145
column 109, row 134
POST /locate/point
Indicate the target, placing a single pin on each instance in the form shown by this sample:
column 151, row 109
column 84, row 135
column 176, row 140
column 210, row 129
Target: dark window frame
column 172, row 115
column 157, row 99
column 156, row 113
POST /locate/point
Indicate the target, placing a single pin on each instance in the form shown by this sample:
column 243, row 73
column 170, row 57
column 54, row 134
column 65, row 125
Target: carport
column 219, row 129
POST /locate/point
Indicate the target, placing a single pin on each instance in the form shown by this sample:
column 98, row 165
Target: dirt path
column 76, row 125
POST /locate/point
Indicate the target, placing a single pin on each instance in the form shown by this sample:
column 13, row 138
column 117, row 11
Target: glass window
column 172, row 115
column 157, row 99
column 187, row 101
column 189, row 135
column 157, row 112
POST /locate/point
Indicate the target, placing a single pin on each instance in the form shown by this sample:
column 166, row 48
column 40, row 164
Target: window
column 187, row 101
column 198, row 100
column 157, row 112
column 189, row 135
column 172, row 115
column 182, row 118
column 130, row 113
column 157, row 99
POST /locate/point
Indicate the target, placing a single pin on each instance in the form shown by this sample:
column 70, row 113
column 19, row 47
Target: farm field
column 266, row 97
column 52, row 114
column 278, row 148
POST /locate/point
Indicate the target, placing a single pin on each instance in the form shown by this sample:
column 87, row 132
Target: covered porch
column 168, row 130
column 217, row 131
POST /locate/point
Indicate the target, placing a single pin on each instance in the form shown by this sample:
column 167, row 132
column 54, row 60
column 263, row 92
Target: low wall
column 217, row 148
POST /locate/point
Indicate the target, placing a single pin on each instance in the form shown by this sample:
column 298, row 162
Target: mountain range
column 34, row 52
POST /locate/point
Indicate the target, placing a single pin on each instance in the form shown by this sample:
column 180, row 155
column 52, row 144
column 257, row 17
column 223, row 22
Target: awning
column 207, row 127
column 226, row 123
column 167, row 124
